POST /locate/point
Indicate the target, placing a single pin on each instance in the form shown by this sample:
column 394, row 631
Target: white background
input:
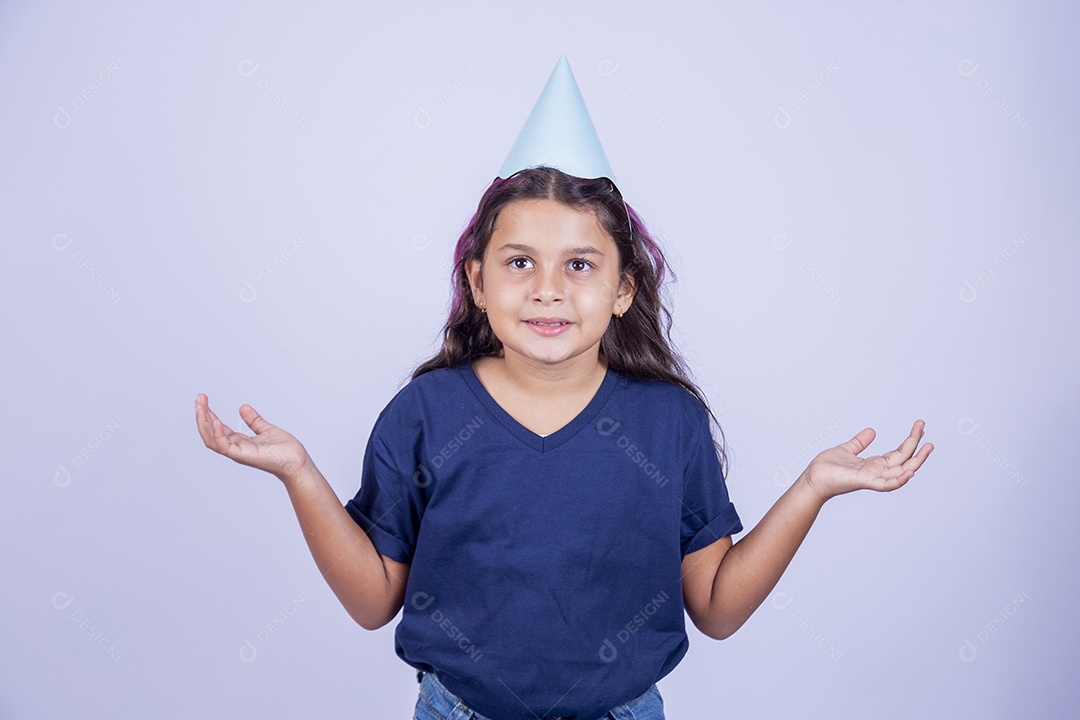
column 871, row 209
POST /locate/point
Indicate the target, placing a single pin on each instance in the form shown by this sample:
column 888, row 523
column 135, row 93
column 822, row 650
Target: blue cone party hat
column 559, row 132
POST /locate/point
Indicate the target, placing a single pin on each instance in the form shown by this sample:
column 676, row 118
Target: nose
column 548, row 284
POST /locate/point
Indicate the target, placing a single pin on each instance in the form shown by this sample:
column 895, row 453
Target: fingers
column 902, row 454
column 916, row 462
column 202, row 420
column 891, row 477
column 213, row 432
column 907, row 460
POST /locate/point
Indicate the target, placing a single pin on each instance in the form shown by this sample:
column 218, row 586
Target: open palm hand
column 840, row 470
column 270, row 449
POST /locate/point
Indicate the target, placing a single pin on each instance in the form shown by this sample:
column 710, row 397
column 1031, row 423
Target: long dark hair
column 638, row 344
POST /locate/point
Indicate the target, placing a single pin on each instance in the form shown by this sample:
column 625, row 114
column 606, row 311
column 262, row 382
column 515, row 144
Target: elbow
column 373, row 619
column 730, row 627
column 722, row 634
column 371, row 611
column 720, row 628
column 368, row 622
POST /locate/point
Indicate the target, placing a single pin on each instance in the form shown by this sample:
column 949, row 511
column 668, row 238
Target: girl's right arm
column 369, row 585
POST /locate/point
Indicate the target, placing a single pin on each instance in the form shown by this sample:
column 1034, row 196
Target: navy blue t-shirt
column 545, row 571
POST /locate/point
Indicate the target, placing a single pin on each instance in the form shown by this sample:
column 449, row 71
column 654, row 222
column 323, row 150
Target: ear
column 625, row 294
column 473, row 269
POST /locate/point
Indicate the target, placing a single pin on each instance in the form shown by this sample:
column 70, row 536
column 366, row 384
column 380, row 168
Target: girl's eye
column 580, row 265
column 520, row 263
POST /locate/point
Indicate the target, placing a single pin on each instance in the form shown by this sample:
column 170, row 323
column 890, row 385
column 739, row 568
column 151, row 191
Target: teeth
column 556, row 324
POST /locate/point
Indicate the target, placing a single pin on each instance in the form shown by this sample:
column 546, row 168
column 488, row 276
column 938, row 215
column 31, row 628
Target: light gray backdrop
column 872, row 212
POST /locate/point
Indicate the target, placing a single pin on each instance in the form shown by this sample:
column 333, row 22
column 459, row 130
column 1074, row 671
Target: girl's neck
column 534, row 379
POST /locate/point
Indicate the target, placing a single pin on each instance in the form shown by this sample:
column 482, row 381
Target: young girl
column 545, row 498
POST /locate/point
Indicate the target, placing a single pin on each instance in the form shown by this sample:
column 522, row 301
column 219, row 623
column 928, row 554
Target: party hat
column 559, row 132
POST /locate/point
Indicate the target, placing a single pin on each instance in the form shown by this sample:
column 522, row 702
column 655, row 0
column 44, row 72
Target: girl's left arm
column 723, row 584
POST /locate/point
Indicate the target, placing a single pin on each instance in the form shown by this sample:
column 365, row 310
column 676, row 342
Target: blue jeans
column 438, row 703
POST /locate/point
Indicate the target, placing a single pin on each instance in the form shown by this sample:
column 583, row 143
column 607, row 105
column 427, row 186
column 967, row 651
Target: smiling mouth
column 547, row 324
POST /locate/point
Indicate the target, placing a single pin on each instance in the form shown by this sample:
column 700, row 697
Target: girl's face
column 550, row 283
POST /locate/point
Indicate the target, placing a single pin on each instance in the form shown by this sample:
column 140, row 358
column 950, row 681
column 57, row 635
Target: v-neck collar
column 537, row 442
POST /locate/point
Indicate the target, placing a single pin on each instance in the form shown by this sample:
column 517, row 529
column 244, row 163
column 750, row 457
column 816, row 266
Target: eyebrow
column 582, row 250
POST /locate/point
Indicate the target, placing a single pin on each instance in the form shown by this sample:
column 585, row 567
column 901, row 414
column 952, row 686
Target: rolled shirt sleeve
column 708, row 513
